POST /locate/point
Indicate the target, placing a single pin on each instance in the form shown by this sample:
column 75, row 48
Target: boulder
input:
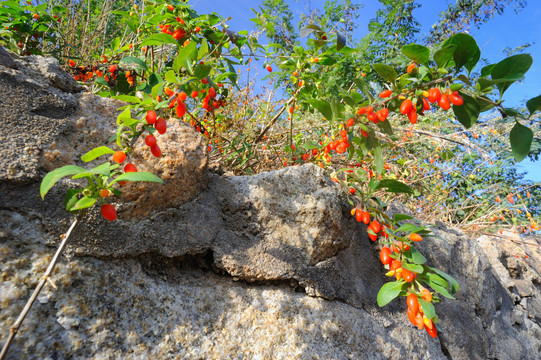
column 208, row 266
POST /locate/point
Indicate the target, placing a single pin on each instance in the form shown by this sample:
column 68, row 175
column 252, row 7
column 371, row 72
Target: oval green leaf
column 444, row 55
column 428, row 308
column 158, row 39
column 83, row 203
column 416, row 52
column 387, row 72
column 467, row 52
column 323, row 107
column 516, row 64
column 394, row 186
column 131, row 60
column 52, row 177
column 138, row 176
column 534, row 104
column 520, row 138
column 388, row 292
column 97, row 152
column 467, row 113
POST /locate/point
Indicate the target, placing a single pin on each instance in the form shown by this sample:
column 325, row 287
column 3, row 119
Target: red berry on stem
column 385, row 93
column 444, row 103
column 112, row 68
column 412, row 116
column 385, row 256
column 415, row 237
column 426, row 105
column 150, row 140
column 456, row 99
column 119, row 157
column 406, row 106
column 411, row 316
column 375, row 226
column 108, row 211
column 269, row 68
column 413, row 303
column 160, row 125
column 156, row 151
column 366, row 217
column 129, row 167
column 407, row 275
column 180, row 109
column 151, row 117
column 432, row 332
column 359, row 215
column 352, row 190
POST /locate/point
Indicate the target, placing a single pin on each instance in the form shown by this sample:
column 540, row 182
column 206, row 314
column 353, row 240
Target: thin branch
column 15, row 327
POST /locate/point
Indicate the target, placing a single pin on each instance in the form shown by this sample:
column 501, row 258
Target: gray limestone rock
column 270, row 266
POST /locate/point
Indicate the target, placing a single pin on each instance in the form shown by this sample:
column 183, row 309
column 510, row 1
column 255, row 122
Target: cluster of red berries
column 375, row 117
column 389, row 257
column 161, row 127
column 444, row 100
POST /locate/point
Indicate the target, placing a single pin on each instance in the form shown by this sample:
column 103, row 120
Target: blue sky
column 507, row 30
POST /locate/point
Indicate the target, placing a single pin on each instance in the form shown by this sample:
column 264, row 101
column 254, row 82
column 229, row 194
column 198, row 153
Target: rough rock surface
column 270, row 266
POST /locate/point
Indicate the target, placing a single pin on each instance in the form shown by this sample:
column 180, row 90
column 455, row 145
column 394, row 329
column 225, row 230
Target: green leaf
column 323, row 107
column 138, row 176
column 417, row 257
column 410, row 228
column 170, row 77
column 467, row 52
column 102, row 169
column 485, row 71
column 512, row 112
column 52, row 177
column 127, row 98
column 389, row 291
column 309, row 145
column 71, row 198
column 158, row 39
column 136, row 61
column 387, row 72
column 516, row 64
column 428, row 308
column 400, row 217
column 439, row 284
column 416, row 52
column 386, row 127
column 83, row 203
column 184, row 54
column 520, row 138
column 534, row 104
column 453, row 284
column 416, row 268
column 378, row 158
column 97, row 152
column 444, row 55
column 363, row 86
column 394, row 186
column 203, row 49
column 202, row 71
column 340, row 41
column 467, row 113
column 309, row 29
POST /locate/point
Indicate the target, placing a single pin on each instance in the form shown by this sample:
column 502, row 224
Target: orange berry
column 119, row 157
column 415, row 237
column 104, row 193
column 108, row 211
column 406, row 106
column 385, row 93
